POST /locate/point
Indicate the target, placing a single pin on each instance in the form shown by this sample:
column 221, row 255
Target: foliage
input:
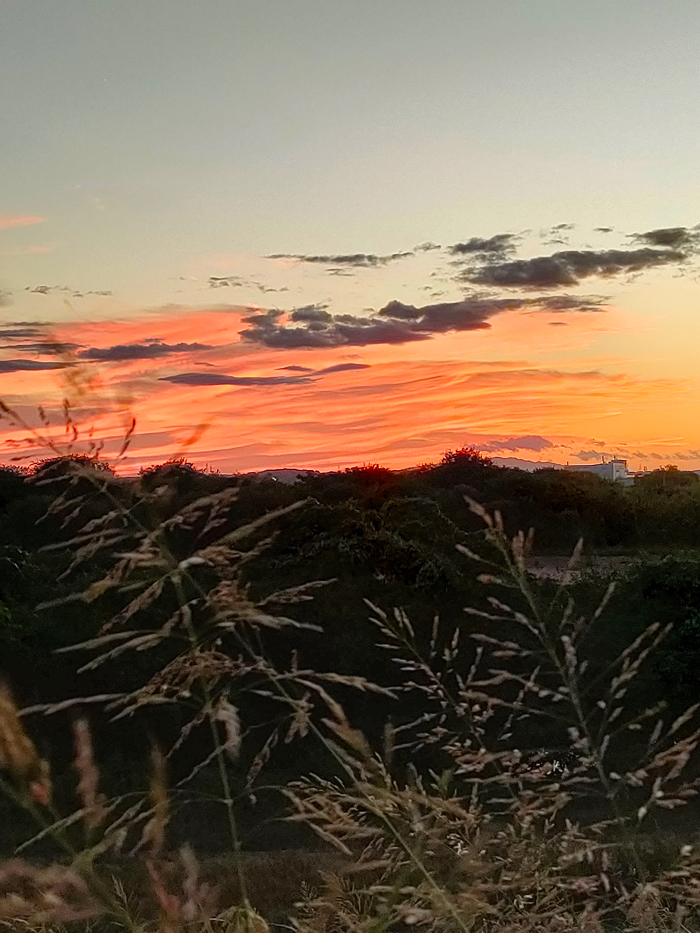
column 465, row 455
column 68, row 465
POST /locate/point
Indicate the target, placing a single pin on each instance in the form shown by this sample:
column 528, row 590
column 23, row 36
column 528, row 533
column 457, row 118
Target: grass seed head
column 18, row 756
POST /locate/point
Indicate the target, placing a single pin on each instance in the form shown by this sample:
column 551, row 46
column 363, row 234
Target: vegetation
column 362, row 668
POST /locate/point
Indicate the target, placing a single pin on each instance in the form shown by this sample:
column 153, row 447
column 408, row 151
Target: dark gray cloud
column 16, row 366
column 342, row 330
column 500, row 245
column 426, row 247
column 149, row 350
column 681, row 238
column 604, row 229
column 397, row 322
column 358, row 260
column 468, row 314
column 316, row 312
column 569, row 267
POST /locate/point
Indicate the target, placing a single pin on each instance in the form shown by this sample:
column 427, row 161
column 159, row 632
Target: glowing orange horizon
column 411, row 403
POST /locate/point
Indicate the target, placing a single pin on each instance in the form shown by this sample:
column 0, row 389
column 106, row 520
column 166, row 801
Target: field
column 359, row 702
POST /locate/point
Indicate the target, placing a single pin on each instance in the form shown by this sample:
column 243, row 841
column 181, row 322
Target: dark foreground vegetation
column 359, row 667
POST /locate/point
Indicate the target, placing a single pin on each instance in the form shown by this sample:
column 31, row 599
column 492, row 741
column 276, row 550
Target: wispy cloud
column 564, row 303
column 220, row 379
column 44, row 348
column 355, row 260
column 7, row 221
column 558, row 235
column 74, row 293
column 35, row 250
column 21, row 330
column 237, row 281
column 527, row 442
column 341, row 368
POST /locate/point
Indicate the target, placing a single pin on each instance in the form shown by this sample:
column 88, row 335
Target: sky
column 322, row 233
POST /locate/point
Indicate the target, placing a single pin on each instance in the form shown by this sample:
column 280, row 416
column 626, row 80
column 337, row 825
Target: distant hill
column 515, row 463
column 292, row 474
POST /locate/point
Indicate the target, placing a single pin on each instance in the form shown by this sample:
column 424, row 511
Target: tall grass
column 458, row 821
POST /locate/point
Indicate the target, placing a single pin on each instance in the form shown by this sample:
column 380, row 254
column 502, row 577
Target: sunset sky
column 321, row 233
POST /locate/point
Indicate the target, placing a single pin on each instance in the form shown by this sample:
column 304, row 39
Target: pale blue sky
column 149, row 145
column 150, row 132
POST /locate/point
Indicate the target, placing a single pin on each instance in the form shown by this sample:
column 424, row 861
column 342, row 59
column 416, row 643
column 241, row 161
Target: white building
column 615, row 470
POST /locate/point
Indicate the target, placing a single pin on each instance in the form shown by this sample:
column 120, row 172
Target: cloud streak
column 355, row 260
column 47, row 348
column 7, row 221
column 16, row 366
column 150, row 350
column 75, row 293
column 21, row 329
column 528, row 442
column 220, row 379
column 237, row 281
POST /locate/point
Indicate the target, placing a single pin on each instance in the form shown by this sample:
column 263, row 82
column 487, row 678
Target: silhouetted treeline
column 386, row 536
